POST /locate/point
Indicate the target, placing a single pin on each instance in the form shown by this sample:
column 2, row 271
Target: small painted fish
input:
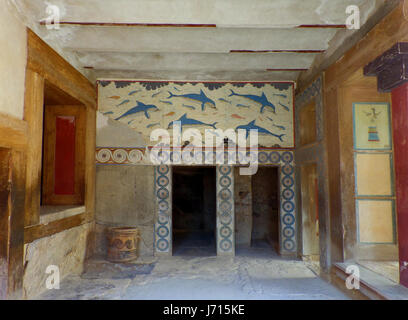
column 242, row 106
column 279, row 127
column 114, row 97
column 123, row 102
column 280, row 95
column 168, row 102
column 133, row 92
column 225, row 100
column 285, row 107
column 270, row 118
column 152, row 125
column 170, row 114
column 109, row 112
column 187, row 106
column 235, row 116
column 156, row 94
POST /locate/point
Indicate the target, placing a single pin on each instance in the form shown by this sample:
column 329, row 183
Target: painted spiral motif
column 288, row 206
column 225, row 209
column 162, row 226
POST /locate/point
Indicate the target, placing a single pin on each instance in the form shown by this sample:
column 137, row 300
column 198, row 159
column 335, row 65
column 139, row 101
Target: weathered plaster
column 13, row 57
column 125, row 197
column 67, row 250
column 243, row 209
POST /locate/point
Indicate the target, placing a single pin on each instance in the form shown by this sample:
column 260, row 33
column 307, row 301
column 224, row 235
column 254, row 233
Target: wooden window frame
column 49, row 143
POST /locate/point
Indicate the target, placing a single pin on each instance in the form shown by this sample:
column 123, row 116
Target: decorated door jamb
column 225, row 205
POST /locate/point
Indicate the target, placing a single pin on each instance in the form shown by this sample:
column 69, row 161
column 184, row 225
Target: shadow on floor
column 194, row 244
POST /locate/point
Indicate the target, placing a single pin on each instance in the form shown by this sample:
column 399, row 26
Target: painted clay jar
column 122, row 244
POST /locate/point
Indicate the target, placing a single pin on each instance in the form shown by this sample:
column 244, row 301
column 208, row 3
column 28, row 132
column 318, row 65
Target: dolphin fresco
column 262, row 99
column 184, row 121
column 140, row 107
column 253, row 126
column 201, row 97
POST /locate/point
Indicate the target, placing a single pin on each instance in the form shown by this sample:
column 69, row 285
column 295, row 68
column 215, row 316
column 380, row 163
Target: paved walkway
column 252, row 274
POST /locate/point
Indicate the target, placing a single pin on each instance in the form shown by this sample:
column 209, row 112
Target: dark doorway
column 194, row 211
column 265, row 208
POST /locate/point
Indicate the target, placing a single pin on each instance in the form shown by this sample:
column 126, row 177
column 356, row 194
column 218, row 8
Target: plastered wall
column 125, row 193
column 13, row 57
column 67, row 250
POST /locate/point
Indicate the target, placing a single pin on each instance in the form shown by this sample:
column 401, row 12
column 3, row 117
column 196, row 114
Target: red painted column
column 400, row 135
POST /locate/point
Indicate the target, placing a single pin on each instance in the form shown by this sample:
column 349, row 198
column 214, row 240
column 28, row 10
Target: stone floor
column 256, row 273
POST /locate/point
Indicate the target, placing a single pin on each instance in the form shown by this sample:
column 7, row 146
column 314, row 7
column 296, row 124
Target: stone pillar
column 391, row 68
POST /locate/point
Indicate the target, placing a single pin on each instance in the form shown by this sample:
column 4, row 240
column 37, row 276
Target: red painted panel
column 400, row 134
column 65, row 155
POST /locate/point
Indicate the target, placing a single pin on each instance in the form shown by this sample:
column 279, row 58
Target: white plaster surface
column 111, row 133
column 13, row 56
column 252, row 13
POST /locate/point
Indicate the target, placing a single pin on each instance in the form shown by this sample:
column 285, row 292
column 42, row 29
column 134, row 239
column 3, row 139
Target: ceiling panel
column 227, row 13
column 137, row 39
column 126, row 38
column 196, row 61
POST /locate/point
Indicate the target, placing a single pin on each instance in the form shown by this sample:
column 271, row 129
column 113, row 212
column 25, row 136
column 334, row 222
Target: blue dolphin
column 184, row 121
column 140, row 107
column 201, row 97
column 253, row 126
column 262, row 99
